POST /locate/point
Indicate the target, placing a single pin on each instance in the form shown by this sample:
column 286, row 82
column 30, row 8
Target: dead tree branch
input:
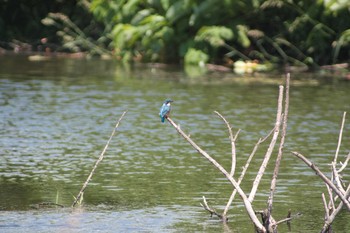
column 268, row 224
column 339, row 138
column 333, row 185
column 248, row 206
column 280, row 149
column 233, row 143
column 324, row 178
column 78, row 199
column 270, row 148
column 344, row 164
column 244, row 170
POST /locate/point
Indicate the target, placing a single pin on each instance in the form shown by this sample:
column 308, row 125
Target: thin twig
column 326, row 209
column 282, row 221
column 344, row 164
column 324, row 178
column 270, row 149
column 77, row 199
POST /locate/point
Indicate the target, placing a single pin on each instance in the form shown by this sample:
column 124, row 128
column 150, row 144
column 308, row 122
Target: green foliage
column 215, row 35
column 279, row 31
column 196, row 57
column 342, row 42
column 297, row 32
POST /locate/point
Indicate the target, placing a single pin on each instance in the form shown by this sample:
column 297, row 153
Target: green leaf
column 177, row 10
column 125, row 36
column 215, row 35
column 196, row 57
column 131, row 6
column 141, row 15
column 242, row 36
column 202, row 9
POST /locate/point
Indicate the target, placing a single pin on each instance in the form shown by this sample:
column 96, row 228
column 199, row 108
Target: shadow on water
column 56, row 116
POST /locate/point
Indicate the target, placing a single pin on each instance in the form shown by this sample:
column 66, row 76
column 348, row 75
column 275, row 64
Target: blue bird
column 165, row 110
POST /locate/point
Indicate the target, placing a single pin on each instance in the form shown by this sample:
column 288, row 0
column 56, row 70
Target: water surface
column 57, row 115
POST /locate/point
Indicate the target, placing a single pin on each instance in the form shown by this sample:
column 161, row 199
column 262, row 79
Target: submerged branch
column 79, row 197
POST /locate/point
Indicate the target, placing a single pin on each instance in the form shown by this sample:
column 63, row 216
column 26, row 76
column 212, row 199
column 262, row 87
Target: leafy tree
column 281, row 31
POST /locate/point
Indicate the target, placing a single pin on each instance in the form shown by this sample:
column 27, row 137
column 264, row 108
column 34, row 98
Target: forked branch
column 248, row 206
column 233, row 143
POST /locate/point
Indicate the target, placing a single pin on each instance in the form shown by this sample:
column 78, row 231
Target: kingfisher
column 165, row 110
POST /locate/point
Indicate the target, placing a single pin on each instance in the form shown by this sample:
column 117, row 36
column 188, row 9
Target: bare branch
column 331, row 204
column 324, row 178
column 288, row 218
column 283, row 220
column 339, row 138
column 247, row 204
column 280, row 149
column 271, row 147
column 336, row 178
column 326, row 209
column 268, row 135
column 236, row 135
column 233, row 145
column 78, row 198
column 335, row 212
column 244, row 170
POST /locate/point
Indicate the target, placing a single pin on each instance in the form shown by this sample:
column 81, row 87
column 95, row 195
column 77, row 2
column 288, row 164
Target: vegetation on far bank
column 296, row 32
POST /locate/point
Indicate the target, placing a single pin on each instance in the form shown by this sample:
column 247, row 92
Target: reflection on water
column 57, row 115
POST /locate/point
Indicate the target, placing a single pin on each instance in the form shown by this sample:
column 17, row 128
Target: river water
column 57, row 115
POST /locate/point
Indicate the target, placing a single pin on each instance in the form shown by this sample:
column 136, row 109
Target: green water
column 57, row 115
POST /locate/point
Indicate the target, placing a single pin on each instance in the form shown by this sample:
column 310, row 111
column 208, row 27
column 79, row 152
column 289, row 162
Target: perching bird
column 165, row 109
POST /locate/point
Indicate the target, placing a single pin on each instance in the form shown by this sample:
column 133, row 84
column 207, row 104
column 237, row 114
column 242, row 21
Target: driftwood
column 79, row 197
column 268, row 224
column 336, row 188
